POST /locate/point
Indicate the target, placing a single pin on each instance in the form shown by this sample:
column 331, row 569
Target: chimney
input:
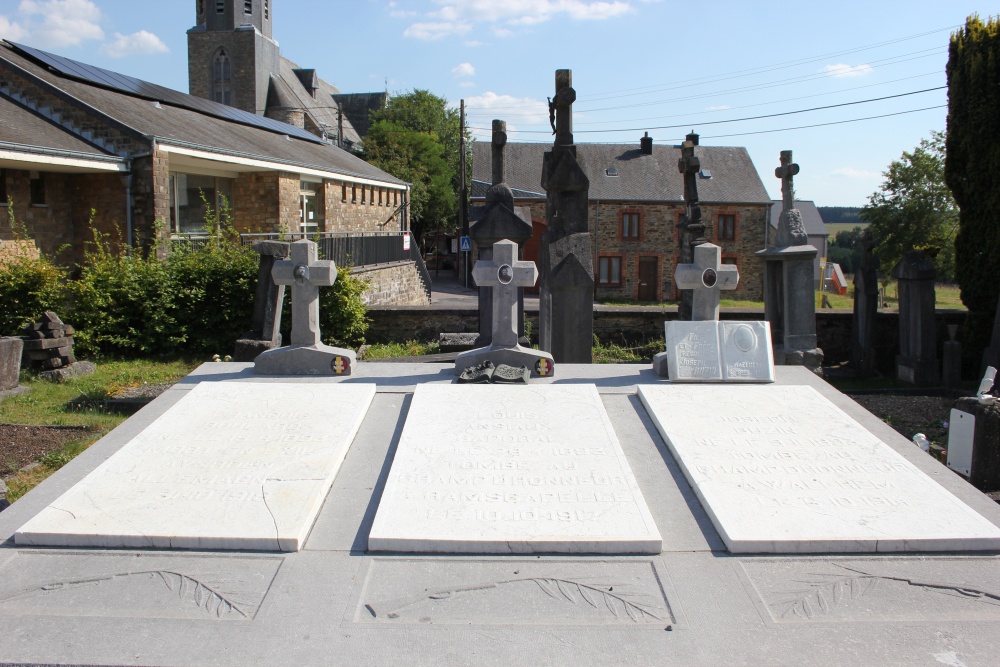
column 646, row 145
column 693, row 138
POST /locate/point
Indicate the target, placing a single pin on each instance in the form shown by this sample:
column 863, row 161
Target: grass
column 623, row 354
column 48, row 404
column 834, row 228
column 410, row 348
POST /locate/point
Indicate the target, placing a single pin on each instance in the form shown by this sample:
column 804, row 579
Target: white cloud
column 841, row 70
column 472, row 43
column 859, row 174
column 512, row 13
column 463, row 69
column 502, row 32
column 138, row 43
column 12, row 30
column 56, row 23
column 430, row 32
column 514, row 110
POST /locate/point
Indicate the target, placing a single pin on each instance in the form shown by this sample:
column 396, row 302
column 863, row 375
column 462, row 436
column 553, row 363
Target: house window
column 193, row 198
column 726, row 229
column 248, row 6
column 343, row 192
column 308, row 219
column 222, row 78
column 395, row 198
column 380, row 197
column 3, row 188
column 36, row 196
column 630, row 225
column 354, row 193
column 364, row 193
column 220, row 6
column 609, row 271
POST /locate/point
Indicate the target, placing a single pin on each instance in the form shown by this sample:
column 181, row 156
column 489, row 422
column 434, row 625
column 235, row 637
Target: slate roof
column 193, row 129
column 22, row 127
column 479, row 188
column 640, row 177
column 811, row 219
column 323, row 107
column 358, row 106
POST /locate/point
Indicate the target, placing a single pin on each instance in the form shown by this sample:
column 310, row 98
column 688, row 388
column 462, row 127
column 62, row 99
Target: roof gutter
column 68, row 158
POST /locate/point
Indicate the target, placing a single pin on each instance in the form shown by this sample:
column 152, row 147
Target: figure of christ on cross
column 504, row 274
column 786, row 172
column 706, row 277
column 307, row 355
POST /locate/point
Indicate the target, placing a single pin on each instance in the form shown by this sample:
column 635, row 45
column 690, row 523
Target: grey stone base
column 660, row 364
column 305, row 360
column 77, row 369
column 917, row 372
column 16, row 391
column 461, row 342
column 10, row 361
column 811, row 359
column 512, row 356
column 248, row 349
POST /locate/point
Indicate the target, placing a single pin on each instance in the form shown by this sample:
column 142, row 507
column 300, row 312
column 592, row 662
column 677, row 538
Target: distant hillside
column 833, row 215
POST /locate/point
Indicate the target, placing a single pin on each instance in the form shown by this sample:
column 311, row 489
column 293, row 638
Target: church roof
column 166, row 122
column 322, row 109
column 621, row 172
column 811, row 218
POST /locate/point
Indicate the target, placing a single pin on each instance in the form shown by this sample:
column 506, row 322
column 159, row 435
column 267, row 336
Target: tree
column 417, row 138
column 913, row 209
column 846, row 249
column 973, row 158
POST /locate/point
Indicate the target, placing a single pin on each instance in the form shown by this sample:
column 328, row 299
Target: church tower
column 231, row 53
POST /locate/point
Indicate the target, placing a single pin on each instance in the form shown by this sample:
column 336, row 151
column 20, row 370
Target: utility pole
column 463, row 196
column 340, row 127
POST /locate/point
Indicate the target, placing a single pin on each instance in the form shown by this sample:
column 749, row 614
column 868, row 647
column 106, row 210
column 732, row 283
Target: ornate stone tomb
column 534, row 469
column 233, row 465
column 781, row 469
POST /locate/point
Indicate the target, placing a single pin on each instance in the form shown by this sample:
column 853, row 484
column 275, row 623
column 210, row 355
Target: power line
column 737, row 120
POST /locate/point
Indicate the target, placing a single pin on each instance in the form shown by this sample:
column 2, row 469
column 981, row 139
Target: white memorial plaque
column 693, row 351
column 515, row 469
column 233, row 465
column 746, row 351
column 780, row 469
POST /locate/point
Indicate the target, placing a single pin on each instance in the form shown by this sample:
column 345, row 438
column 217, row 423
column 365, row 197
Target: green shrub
column 28, row 287
column 343, row 315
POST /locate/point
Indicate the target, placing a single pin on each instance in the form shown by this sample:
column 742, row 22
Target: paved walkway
column 447, row 290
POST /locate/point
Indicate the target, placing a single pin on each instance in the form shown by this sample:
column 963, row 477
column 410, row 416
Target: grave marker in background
column 917, row 361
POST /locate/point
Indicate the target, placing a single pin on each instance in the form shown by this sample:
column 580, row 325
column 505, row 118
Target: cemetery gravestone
column 780, row 469
column 917, row 361
column 10, row 365
column 307, row 355
column 265, row 328
column 534, row 469
column 706, row 277
column 233, row 465
column 504, row 275
column 982, row 460
column 991, row 355
column 691, row 226
column 789, row 279
column 566, row 297
column 865, row 311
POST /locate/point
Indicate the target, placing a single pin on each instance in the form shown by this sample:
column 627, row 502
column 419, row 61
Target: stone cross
column 785, row 172
column 306, row 274
column 504, row 273
column 561, row 108
column 706, row 276
column 499, row 141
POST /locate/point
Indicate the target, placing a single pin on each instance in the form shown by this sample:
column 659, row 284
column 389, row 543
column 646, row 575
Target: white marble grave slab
column 780, row 469
column 233, row 465
column 746, row 351
column 693, row 351
column 511, row 469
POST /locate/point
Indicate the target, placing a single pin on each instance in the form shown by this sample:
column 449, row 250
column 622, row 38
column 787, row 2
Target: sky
column 662, row 66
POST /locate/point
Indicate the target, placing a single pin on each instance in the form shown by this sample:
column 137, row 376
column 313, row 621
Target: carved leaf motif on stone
column 824, row 594
column 616, row 604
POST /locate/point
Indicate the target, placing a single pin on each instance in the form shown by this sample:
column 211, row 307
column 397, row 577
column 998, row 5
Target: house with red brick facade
column 76, row 139
column 636, row 202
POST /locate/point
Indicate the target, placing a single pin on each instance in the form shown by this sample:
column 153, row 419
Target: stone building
column 636, row 201
column 79, row 143
column 234, row 59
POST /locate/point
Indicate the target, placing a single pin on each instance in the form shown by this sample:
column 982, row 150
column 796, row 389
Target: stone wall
column 658, row 238
column 354, row 207
column 632, row 325
column 396, row 284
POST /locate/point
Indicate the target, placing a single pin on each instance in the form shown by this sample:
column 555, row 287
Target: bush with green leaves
column 28, row 286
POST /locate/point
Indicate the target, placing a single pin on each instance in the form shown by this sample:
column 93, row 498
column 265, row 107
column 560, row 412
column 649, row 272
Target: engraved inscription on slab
column 128, row 585
column 746, row 351
column 233, row 465
column 780, row 469
column 876, row 590
column 501, row 469
column 490, row 592
column 693, row 351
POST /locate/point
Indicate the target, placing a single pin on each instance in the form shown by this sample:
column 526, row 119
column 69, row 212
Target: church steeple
column 231, row 54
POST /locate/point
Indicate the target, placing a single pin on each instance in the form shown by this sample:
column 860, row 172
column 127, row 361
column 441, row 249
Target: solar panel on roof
column 127, row 84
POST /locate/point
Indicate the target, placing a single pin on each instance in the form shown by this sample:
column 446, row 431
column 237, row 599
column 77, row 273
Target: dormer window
column 611, row 171
column 705, row 173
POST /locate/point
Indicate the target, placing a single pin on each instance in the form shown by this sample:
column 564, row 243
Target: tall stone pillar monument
column 499, row 222
column 566, row 299
column 691, row 227
column 789, row 281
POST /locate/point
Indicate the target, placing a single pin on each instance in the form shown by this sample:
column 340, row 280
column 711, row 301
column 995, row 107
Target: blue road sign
column 466, row 244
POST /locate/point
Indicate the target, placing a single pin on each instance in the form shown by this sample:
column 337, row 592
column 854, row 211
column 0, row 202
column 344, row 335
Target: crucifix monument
column 691, row 227
column 307, row 355
column 504, row 274
column 706, row 277
column 566, row 299
column 789, row 280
